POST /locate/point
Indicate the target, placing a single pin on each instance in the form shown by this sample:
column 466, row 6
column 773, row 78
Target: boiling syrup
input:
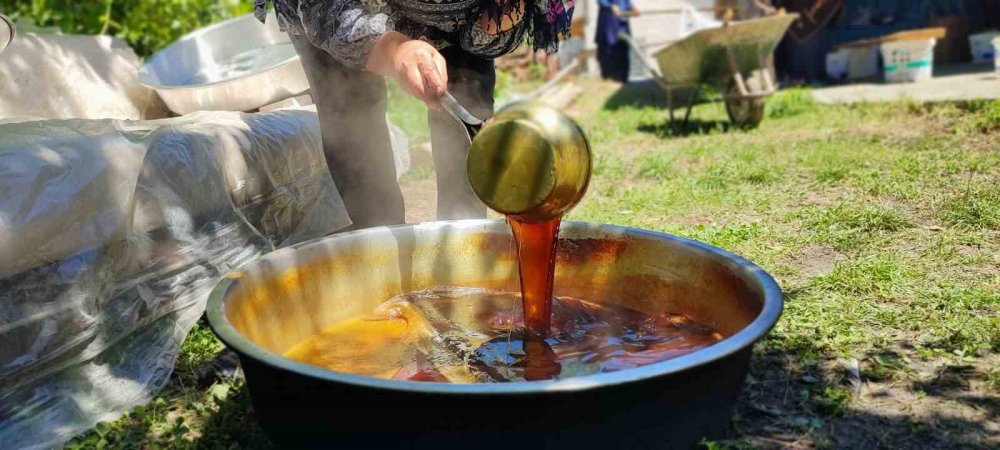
column 467, row 335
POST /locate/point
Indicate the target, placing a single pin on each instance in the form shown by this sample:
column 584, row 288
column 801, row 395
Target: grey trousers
column 352, row 107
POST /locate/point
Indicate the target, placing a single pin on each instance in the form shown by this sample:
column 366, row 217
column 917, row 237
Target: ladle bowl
column 264, row 308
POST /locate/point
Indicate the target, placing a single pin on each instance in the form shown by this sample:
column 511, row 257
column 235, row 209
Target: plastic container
column 836, row 65
column 905, row 61
column 996, row 53
column 982, row 47
column 862, row 62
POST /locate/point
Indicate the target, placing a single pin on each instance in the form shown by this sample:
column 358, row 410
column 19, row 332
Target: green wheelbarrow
column 733, row 57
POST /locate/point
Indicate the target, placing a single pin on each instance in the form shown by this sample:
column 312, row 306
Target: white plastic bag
column 112, row 233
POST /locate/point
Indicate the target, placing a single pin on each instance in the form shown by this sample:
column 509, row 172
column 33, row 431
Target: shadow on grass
column 800, row 395
column 234, row 425
column 678, row 128
column 638, row 94
column 648, row 94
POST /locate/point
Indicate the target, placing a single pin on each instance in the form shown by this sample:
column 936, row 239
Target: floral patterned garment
column 348, row 29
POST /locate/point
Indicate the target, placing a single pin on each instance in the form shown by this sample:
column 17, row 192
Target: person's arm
column 765, row 7
column 630, row 9
column 617, row 11
column 363, row 37
column 347, row 29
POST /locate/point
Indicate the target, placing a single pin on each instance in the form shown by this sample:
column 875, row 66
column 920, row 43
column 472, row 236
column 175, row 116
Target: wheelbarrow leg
column 741, row 85
column 765, row 72
column 690, row 105
column 670, row 103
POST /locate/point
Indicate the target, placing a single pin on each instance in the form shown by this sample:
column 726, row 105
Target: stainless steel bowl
column 236, row 65
column 7, row 32
column 267, row 306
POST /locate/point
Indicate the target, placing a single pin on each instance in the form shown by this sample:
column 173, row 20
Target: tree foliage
column 147, row 25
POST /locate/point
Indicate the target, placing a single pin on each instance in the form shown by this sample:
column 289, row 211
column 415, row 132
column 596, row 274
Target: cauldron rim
column 773, row 303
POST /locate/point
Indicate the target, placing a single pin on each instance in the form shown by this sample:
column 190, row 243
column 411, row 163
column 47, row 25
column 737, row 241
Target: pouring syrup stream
column 536, row 258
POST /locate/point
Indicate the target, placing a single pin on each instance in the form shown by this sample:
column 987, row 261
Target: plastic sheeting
column 112, row 234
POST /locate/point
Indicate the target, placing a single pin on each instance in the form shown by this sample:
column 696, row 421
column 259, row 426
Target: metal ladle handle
column 455, row 109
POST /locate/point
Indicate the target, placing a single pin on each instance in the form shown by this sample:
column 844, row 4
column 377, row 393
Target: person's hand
column 416, row 65
column 634, row 12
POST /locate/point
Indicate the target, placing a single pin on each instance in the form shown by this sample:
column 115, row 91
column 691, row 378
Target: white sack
column 74, row 76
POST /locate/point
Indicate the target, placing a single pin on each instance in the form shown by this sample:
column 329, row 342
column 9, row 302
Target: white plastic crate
column 981, row 46
column 862, row 62
column 905, row 61
column 836, row 64
column 996, row 53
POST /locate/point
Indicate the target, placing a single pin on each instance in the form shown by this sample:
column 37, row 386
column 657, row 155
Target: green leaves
column 147, row 25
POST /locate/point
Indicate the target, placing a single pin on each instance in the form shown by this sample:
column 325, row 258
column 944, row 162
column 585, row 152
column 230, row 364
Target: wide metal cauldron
column 266, row 307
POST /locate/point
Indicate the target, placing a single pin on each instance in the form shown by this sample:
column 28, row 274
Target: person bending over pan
column 348, row 48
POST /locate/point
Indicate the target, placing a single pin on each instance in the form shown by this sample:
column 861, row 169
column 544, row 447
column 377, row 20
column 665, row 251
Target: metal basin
column 266, row 307
column 236, row 65
column 7, row 32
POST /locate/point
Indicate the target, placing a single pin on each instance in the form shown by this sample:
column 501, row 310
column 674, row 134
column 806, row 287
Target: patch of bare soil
column 903, row 128
column 915, row 406
column 817, row 260
column 820, row 197
column 690, row 220
column 811, row 261
column 420, row 198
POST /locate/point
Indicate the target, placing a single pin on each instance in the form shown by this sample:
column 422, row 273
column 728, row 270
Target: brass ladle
column 531, row 162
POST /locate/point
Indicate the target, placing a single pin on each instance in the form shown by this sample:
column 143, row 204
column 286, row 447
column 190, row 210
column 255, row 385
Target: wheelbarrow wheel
column 745, row 112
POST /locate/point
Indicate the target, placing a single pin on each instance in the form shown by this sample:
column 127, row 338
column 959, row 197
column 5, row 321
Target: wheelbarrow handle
column 642, row 56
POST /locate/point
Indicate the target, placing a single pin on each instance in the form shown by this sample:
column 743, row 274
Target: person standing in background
column 613, row 52
column 349, row 47
column 801, row 55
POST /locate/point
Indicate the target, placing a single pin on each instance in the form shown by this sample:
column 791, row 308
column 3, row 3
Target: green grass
column 407, row 113
column 417, row 173
column 878, row 277
column 976, row 207
column 845, row 226
column 790, row 102
column 189, row 413
column 986, row 114
column 832, row 401
column 904, row 196
column 880, row 221
column 147, row 25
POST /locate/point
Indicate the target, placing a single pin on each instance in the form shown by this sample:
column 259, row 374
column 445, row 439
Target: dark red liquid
column 586, row 338
column 467, row 335
column 536, row 262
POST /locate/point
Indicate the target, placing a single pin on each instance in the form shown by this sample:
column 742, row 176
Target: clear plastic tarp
column 112, row 234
